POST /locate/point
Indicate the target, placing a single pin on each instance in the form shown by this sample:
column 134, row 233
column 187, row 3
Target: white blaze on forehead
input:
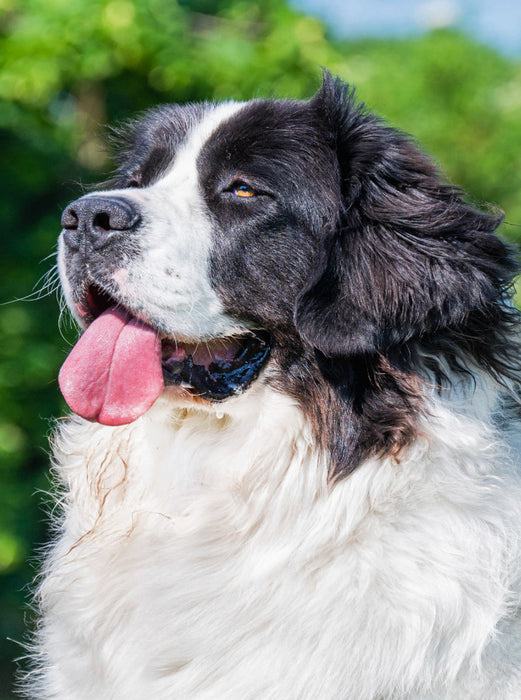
column 177, row 236
column 188, row 153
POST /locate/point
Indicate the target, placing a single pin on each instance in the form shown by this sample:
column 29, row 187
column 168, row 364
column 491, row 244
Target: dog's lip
column 95, row 300
column 217, row 369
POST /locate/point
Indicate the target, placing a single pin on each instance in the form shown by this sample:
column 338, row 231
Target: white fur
column 209, row 558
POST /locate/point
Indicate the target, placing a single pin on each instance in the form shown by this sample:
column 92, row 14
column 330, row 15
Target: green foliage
column 67, row 67
column 460, row 100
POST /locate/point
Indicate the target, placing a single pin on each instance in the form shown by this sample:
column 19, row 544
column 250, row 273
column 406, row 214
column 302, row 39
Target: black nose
column 95, row 220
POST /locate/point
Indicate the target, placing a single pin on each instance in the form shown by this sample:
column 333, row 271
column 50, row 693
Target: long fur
column 349, row 527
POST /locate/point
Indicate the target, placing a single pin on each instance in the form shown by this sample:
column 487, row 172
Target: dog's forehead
column 205, row 131
column 227, row 133
column 262, row 131
column 149, row 145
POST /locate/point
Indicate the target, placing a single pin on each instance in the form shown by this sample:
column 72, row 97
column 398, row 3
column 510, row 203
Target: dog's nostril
column 102, row 221
column 69, row 219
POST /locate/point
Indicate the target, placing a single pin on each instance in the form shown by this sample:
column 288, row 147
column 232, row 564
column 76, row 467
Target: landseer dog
column 293, row 471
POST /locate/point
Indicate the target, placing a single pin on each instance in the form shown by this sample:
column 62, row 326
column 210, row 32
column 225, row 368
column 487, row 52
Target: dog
column 293, row 465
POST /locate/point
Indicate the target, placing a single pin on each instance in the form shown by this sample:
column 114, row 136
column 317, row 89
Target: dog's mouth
column 216, row 369
column 120, row 364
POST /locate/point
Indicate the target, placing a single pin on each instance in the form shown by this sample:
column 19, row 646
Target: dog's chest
column 191, row 569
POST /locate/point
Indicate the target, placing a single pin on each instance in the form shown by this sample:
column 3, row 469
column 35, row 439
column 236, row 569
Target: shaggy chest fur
column 188, row 571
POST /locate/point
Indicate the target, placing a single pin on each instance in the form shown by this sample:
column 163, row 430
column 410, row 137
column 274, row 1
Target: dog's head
column 308, row 237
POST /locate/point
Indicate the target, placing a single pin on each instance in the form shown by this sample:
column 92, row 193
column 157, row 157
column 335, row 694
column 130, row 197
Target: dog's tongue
column 113, row 374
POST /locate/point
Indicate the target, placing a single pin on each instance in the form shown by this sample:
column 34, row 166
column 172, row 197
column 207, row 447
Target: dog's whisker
column 48, row 284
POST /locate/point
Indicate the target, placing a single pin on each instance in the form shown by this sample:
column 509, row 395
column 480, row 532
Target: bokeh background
column 448, row 72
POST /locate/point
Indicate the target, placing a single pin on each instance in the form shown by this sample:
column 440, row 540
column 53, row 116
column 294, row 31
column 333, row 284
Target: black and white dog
column 294, row 472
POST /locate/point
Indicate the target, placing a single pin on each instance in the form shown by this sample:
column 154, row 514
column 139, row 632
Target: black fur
column 361, row 261
column 369, row 271
column 410, row 256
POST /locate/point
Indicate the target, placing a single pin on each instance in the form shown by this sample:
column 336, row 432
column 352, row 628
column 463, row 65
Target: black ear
column 409, row 255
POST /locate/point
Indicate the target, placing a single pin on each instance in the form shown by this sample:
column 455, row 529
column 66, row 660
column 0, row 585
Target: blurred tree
column 68, row 67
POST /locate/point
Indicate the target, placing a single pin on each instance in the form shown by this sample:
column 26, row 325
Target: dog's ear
column 409, row 255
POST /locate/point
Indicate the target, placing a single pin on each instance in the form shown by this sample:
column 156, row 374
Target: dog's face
column 214, row 229
column 306, row 236
column 216, row 211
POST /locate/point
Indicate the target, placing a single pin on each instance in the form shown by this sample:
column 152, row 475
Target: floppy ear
column 409, row 255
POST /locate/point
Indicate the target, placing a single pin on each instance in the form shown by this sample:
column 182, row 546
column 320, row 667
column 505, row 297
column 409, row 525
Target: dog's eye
column 240, row 189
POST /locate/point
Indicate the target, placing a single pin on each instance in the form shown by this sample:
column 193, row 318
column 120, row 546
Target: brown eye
column 242, row 190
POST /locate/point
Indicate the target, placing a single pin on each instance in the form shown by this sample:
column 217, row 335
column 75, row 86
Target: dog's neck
column 176, row 456
column 254, row 452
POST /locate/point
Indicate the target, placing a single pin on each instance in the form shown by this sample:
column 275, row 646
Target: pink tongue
column 113, row 374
